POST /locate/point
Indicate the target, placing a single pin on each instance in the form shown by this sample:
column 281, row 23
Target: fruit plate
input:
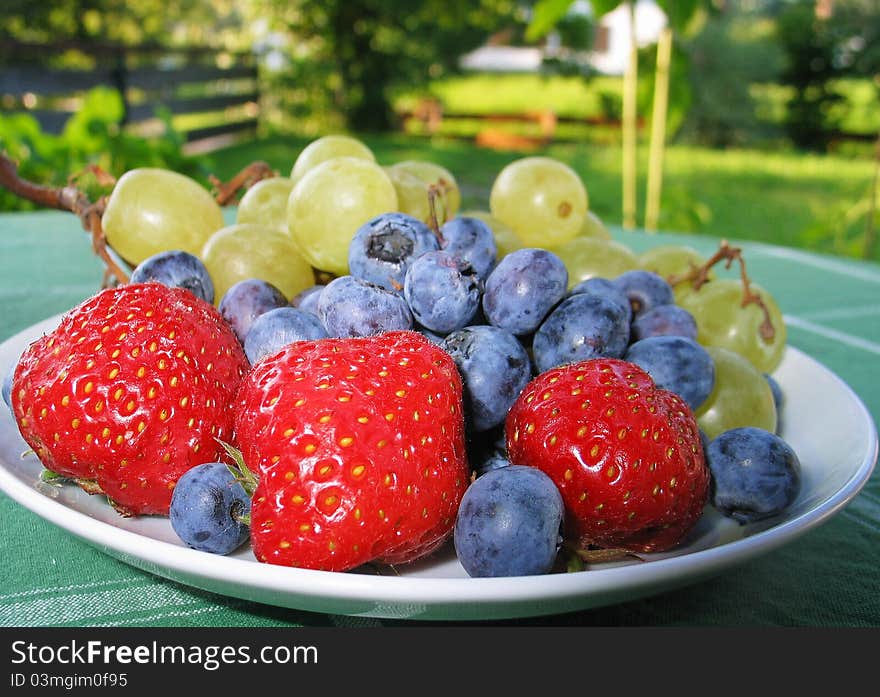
column 823, row 420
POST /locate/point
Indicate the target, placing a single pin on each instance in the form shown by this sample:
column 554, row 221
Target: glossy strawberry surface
column 625, row 455
column 130, row 391
column 359, row 448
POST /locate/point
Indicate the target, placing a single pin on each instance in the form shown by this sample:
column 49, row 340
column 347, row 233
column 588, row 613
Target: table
column 829, row 577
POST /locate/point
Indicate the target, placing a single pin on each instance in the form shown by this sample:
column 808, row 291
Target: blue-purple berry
column 177, row 269
column 509, row 523
column 472, row 240
column 645, row 290
column 443, row 291
column 677, row 364
column 664, row 320
column 275, row 329
column 210, row 509
column 307, row 300
column 494, row 367
column 581, row 327
column 351, row 307
column 522, row 288
column 245, row 301
column 383, row 248
column 755, row 474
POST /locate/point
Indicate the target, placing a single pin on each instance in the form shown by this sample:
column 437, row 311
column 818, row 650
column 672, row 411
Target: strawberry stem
column 242, row 473
column 578, row 558
column 50, row 477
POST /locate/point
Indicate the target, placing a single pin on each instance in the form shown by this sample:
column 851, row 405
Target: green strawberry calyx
column 242, row 473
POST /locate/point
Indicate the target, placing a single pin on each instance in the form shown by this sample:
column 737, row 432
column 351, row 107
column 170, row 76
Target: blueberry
column 487, row 450
column 645, row 289
column 177, row 269
column 350, row 307
column 472, row 240
column 209, row 509
column 443, row 291
column 383, row 248
column 509, row 523
column 494, row 367
column 581, row 327
column 247, row 300
column 776, row 389
column 677, row 364
column 307, row 300
column 596, row 284
column 662, row 320
column 523, row 288
column 277, row 328
column 433, row 337
column 754, row 474
column 778, row 399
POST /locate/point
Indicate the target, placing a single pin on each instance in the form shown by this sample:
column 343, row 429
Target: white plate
column 823, row 420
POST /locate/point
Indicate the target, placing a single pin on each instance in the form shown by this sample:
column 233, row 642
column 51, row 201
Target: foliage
column 91, row 138
column 369, row 47
column 160, row 22
column 809, row 45
column 819, row 51
column 681, row 93
column 728, row 56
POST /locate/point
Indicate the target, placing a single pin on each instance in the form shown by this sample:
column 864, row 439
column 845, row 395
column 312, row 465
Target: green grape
column 330, row 203
column 741, row 396
column 412, row 194
column 723, row 321
column 247, row 250
column 542, row 200
column 586, row 257
column 594, row 227
column 505, row 238
column 326, row 148
column 152, row 210
column 432, row 174
column 265, row 203
column 673, row 260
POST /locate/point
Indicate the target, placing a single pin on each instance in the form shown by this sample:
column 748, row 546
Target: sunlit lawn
column 786, row 198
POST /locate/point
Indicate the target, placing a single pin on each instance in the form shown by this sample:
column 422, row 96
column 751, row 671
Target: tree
column 159, row 22
column 374, row 46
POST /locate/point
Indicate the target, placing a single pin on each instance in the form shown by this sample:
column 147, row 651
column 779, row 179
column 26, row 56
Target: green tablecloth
column 830, row 576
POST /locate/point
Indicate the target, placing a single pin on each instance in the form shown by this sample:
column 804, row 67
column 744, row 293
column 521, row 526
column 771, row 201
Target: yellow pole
column 630, row 135
column 658, row 130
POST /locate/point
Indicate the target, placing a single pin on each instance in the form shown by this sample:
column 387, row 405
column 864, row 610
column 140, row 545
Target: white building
column 610, row 51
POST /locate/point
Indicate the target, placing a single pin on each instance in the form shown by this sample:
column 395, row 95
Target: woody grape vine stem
column 699, row 275
column 71, row 198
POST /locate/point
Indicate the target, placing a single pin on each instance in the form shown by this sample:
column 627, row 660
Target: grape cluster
column 346, row 247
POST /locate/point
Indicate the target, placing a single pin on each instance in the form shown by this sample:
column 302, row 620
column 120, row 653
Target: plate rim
column 386, row 596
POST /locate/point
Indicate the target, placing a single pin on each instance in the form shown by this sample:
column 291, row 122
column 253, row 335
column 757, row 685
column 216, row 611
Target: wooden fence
column 516, row 131
column 217, row 92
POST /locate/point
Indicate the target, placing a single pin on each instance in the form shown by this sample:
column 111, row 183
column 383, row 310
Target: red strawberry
column 626, row 455
column 359, row 449
column 131, row 390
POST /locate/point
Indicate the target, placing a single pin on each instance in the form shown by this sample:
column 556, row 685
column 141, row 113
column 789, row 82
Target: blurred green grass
column 778, row 197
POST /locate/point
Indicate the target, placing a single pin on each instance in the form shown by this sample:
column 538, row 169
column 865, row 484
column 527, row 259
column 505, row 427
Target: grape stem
column 225, row 192
column 435, row 193
column 67, row 198
column 71, row 198
column 699, row 276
